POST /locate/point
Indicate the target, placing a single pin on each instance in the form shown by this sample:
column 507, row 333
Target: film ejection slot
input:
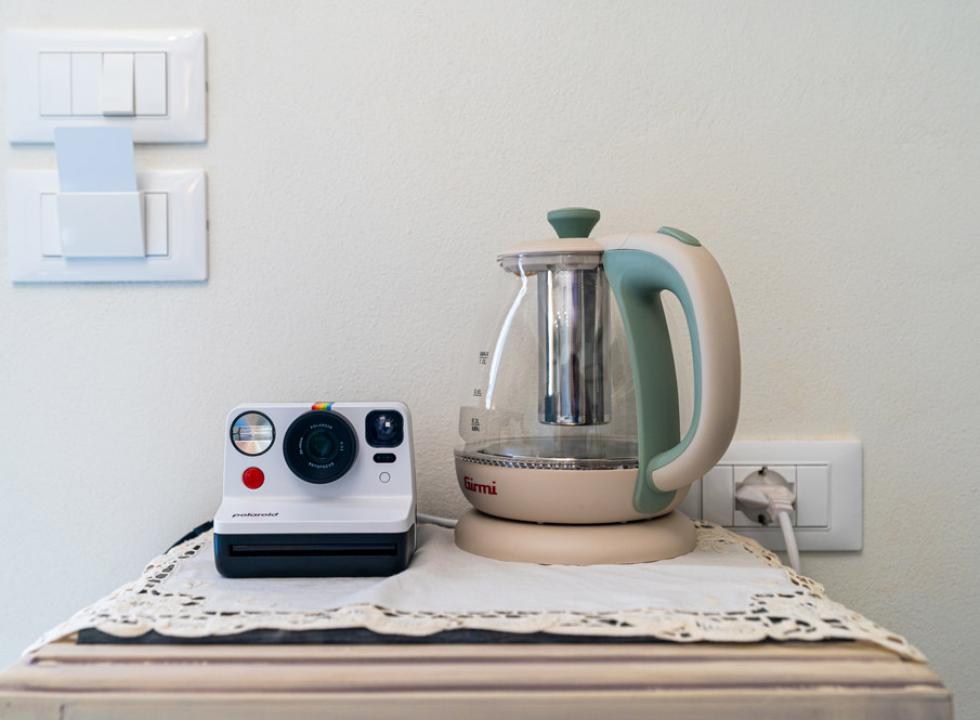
column 313, row 550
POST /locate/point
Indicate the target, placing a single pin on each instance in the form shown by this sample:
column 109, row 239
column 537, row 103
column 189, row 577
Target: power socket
column 761, row 474
column 825, row 474
column 744, row 473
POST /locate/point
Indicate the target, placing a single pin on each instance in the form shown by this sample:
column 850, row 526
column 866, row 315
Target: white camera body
column 316, row 489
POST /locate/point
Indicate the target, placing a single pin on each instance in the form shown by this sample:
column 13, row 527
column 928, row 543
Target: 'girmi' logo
column 481, row 488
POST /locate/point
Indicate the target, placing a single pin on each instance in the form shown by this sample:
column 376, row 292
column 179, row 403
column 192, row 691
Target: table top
column 576, row 680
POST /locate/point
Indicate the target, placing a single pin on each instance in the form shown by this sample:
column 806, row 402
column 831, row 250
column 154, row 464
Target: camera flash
column 252, row 433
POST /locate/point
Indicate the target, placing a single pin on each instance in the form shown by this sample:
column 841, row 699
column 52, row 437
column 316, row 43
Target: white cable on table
column 436, row 520
column 792, row 550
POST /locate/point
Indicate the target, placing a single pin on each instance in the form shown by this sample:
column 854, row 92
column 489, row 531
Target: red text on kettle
column 481, row 488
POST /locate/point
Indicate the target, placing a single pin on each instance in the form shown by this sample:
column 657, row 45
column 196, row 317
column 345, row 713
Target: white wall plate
column 152, row 81
column 175, row 211
column 827, row 476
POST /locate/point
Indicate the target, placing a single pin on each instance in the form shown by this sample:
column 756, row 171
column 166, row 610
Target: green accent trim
column 637, row 278
column 573, row 222
column 680, row 235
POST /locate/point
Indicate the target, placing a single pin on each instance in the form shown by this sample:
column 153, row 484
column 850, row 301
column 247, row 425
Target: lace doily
column 730, row 589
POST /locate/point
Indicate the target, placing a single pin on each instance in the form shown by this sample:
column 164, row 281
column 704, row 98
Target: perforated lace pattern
column 805, row 613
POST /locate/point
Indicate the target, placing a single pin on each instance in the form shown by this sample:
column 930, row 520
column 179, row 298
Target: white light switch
column 150, row 80
column 155, row 214
column 86, row 83
column 54, row 83
column 117, row 84
column 691, row 505
column 812, row 495
column 716, row 495
column 50, row 230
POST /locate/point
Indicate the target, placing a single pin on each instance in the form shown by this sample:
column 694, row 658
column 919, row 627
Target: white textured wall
column 367, row 160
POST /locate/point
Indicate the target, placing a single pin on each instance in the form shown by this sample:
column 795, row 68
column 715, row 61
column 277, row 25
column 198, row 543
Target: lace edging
column 803, row 614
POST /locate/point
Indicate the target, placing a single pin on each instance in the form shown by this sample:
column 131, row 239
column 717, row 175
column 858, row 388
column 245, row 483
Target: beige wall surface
column 366, row 161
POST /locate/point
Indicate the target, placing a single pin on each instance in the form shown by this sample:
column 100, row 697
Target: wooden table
column 589, row 681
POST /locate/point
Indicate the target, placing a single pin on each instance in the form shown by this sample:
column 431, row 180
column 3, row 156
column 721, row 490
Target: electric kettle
column 571, row 447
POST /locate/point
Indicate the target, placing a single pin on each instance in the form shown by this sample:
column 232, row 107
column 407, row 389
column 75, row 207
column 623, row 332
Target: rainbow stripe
column 322, row 406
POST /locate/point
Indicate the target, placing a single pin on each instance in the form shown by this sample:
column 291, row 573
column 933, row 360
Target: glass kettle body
column 571, row 415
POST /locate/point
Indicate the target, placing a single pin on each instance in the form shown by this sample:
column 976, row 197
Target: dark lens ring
column 320, row 446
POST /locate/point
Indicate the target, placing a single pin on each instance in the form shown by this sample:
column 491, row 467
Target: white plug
column 770, row 497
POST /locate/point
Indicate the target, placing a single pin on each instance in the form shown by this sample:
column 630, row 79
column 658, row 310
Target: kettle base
column 641, row 541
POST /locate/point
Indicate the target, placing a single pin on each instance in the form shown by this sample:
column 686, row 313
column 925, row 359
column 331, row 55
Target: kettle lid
column 572, row 247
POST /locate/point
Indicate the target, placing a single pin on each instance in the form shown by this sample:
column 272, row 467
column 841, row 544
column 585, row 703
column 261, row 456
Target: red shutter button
column 253, row 478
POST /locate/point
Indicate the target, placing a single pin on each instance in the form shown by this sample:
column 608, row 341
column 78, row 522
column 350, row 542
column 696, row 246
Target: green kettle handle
column 639, row 266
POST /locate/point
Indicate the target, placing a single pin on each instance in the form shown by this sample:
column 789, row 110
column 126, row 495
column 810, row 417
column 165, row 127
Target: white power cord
column 792, row 550
column 436, row 520
column 768, row 496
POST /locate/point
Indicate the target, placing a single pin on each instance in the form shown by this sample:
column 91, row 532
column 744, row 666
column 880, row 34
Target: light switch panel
column 175, row 231
column 151, row 81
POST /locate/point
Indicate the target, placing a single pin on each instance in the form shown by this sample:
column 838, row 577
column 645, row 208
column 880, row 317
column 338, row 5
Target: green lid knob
column 573, row 222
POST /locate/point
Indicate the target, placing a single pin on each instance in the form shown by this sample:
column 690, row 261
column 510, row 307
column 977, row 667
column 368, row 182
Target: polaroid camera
column 314, row 490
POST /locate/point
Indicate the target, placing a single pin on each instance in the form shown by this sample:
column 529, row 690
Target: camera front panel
column 318, row 451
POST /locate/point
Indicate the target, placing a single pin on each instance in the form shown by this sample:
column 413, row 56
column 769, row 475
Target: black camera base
column 305, row 555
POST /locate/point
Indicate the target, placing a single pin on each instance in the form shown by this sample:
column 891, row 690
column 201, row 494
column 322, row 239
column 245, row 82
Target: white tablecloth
column 729, row 589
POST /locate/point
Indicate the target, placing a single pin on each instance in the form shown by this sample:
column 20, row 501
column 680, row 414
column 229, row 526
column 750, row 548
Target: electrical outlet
column 827, row 477
column 742, row 472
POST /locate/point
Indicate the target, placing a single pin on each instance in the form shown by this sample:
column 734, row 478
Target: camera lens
column 385, row 428
column 320, row 446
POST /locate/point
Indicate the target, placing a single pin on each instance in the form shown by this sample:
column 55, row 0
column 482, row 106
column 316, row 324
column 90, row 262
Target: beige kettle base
column 642, row 541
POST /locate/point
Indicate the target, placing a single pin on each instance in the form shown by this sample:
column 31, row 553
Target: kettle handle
column 639, row 266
